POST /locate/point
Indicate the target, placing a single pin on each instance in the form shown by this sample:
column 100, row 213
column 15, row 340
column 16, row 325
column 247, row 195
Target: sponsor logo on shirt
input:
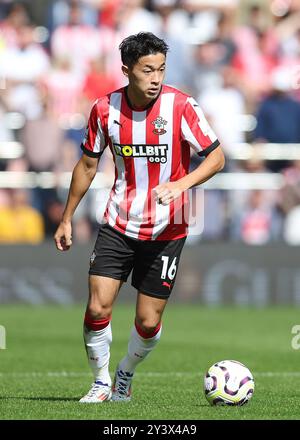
column 154, row 153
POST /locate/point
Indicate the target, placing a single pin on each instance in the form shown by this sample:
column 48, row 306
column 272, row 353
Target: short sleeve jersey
column 149, row 147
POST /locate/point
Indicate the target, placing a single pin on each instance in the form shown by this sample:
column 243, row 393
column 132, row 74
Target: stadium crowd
column 239, row 59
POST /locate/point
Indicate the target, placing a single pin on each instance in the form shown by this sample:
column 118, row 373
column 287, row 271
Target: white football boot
column 99, row 393
column 121, row 389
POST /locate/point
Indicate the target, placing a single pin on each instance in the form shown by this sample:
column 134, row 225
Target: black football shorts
column 154, row 263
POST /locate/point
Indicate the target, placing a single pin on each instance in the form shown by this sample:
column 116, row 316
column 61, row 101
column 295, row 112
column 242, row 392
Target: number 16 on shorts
column 168, row 270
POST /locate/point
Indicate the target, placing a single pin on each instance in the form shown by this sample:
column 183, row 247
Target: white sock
column 97, row 344
column 138, row 349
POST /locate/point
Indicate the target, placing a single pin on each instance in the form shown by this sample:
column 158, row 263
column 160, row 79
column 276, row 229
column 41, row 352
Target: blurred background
column 239, row 58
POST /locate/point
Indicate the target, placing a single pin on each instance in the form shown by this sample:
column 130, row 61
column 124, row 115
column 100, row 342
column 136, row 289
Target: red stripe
column 144, row 334
column 126, row 138
column 99, row 110
column 103, row 112
column 146, row 228
column 95, row 324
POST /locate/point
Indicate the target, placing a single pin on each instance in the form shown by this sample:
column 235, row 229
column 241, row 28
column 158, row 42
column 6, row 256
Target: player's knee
column 147, row 325
column 98, row 311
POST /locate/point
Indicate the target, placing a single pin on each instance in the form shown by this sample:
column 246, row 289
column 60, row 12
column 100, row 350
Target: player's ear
column 125, row 70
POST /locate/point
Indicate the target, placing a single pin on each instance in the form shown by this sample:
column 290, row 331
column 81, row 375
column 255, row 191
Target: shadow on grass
column 76, row 399
column 50, row 399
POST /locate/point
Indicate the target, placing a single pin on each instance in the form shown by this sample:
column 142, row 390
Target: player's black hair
column 139, row 45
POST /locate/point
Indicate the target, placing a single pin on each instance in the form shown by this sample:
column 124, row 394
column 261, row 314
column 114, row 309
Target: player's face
column 146, row 76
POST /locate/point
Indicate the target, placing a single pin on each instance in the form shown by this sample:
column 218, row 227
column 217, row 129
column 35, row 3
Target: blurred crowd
column 239, row 59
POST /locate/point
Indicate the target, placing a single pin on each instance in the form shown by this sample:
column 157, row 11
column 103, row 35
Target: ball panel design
column 228, row 383
column 210, row 383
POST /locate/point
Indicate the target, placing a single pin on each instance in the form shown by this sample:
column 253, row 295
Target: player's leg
column 145, row 335
column 146, row 331
column 97, row 334
column 110, row 265
column 154, row 276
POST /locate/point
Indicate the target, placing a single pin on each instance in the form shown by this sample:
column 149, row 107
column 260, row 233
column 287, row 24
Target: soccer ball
column 228, row 383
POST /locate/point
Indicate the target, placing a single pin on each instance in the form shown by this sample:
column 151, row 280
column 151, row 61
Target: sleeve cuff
column 89, row 152
column 209, row 149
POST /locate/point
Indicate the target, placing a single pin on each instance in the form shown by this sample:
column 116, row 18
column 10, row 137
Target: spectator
column 289, row 195
column 197, row 20
column 205, row 70
column 53, row 210
column 224, row 106
column 42, row 139
column 291, row 231
column 240, row 201
column 133, row 18
column 224, row 38
column 278, row 116
column 19, row 222
column 63, row 88
column 23, row 66
column 259, row 223
column 108, row 11
column 176, row 73
column 5, row 133
column 59, row 13
column 68, row 156
column 16, row 18
column 80, row 42
column 82, row 230
column 257, row 53
column 97, row 82
column 227, row 59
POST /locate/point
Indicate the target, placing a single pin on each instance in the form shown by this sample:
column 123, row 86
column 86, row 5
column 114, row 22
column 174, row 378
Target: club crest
column 159, row 125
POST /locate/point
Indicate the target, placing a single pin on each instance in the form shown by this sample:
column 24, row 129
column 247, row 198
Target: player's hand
column 63, row 236
column 167, row 192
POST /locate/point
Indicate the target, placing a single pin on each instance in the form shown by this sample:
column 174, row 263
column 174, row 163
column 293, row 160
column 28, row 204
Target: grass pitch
column 44, row 371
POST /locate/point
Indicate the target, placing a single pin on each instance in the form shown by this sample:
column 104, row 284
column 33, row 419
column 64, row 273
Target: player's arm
column 212, row 164
column 82, row 177
column 196, row 133
column 93, row 145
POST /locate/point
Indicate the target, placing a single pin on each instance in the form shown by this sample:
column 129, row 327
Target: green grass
column 44, row 371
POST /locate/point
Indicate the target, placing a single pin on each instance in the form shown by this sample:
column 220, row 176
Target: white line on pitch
column 145, row 374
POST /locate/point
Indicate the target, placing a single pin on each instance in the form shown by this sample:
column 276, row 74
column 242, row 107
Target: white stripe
column 99, row 143
column 114, row 134
column 166, row 112
column 141, row 176
column 203, row 124
column 188, row 135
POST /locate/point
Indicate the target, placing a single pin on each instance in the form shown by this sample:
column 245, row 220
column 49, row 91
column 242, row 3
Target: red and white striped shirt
column 149, row 147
